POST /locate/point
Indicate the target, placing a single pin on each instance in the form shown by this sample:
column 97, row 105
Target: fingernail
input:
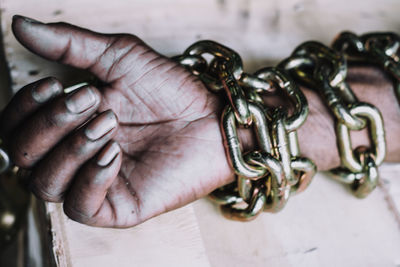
column 26, row 19
column 99, row 127
column 81, row 100
column 45, row 90
column 108, row 154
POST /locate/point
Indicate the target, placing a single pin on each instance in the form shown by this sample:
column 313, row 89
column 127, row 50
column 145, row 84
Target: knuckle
column 55, row 83
column 53, row 119
column 123, row 44
column 79, row 146
column 43, row 192
column 127, row 39
column 76, row 215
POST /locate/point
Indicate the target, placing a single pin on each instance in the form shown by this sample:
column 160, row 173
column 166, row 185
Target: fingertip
column 20, row 25
column 46, row 89
column 40, row 38
column 83, row 99
column 108, row 154
column 104, row 125
column 26, row 101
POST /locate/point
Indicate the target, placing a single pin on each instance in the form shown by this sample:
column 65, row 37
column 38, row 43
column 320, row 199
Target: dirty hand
column 146, row 143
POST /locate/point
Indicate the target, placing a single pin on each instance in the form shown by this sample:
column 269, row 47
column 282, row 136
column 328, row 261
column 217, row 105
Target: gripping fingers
column 85, row 202
column 52, row 176
column 35, row 137
column 30, row 98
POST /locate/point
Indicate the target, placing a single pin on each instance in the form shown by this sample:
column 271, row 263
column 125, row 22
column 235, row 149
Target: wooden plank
column 324, row 226
column 390, row 185
column 154, row 243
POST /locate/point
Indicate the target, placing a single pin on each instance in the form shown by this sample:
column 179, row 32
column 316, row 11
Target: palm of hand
column 169, row 134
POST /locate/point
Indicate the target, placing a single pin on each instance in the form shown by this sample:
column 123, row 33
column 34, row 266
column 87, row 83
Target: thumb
column 77, row 47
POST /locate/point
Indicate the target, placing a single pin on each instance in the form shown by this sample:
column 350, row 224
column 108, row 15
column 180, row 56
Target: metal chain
column 267, row 176
column 270, row 174
column 379, row 48
column 324, row 70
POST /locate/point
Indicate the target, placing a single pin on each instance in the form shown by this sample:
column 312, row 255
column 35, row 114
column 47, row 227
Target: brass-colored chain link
column 324, row 70
column 267, row 176
column 270, row 174
column 379, row 48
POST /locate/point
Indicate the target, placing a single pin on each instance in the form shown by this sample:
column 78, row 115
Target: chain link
column 379, row 48
column 324, row 69
column 364, row 182
column 267, row 176
column 377, row 135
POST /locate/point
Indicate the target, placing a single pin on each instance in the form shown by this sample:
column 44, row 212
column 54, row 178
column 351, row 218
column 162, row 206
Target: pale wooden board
column 390, row 185
column 325, row 226
column 171, row 239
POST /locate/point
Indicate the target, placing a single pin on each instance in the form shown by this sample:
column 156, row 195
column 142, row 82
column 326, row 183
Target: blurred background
column 324, row 226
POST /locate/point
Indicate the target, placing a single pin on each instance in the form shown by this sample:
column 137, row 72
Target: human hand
column 164, row 151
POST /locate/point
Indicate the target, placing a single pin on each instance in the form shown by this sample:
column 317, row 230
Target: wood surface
column 323, row 226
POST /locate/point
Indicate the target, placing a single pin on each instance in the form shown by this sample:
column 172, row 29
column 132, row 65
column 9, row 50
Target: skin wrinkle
column 64, row 55
column 60, row 27
column 115, row 194
column 131, row 190
column 112, row 208
column 37, row 188
column 116, row 61
column 78, row 215
column 196, row 138
column 130, row 70
column 165, row 103
column 148, row 72
column 152, row 137
column 188, row 79
column 142, row 100
column 95, row 63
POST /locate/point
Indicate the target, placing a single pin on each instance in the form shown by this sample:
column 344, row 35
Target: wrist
column 317, row 135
